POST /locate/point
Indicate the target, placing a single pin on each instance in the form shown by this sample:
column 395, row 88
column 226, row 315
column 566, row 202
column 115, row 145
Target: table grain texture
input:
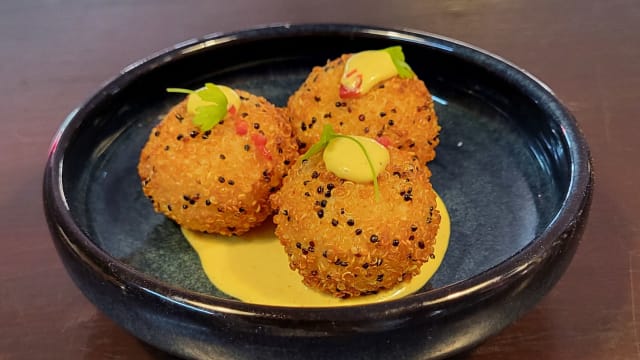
column 55, row 53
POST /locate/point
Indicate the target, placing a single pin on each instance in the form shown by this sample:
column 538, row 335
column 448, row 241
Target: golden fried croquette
column 397, row 111
column 341, row 240
column 218, row 181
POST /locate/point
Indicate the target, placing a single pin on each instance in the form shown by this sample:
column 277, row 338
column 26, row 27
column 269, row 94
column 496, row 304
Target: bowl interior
column 502, row 167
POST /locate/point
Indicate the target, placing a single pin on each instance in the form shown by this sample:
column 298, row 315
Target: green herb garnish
column 325, row 138
column 397, row 56
column 214, row 106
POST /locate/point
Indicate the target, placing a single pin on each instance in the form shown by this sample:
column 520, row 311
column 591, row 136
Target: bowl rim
column 508, row 271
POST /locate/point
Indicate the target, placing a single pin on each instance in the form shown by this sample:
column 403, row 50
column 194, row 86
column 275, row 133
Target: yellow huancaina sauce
column 254, row 268
column 364, row 70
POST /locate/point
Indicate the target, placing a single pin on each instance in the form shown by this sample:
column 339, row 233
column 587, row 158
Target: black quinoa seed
column 231, row 182
column 374, row 238
column 256, row 126
column 185, row 206
column 320, row 213
column 179, row 117
column 421, row 244
column 334, row 222
column 338, row 104
column 366, row 130
column 169, row 207
column 380, row 277
column 166, row 148
column 298, row 245
column 221, row 179
column 193, row 134
column 287, row 161
column 414, row 228
column 407, row 197
column 327, row 115
column 412, row 237
column 390, row 122
column 361, row 117
column 241, row 210
column 244, row 114
column 395, row 242
column 247, row 147
column 327, row 194
column 323, row 203
column 330, row 186
column 317, row 98
column 350, row 222
column 179, row 137
column 207, row 202
column 320, row 189
column 222, row 157
column 315, row 175
column 365, row 265
column 383, row 114
column 307, row 194
column 358, row 231
column 303, row 126
column 157, row 133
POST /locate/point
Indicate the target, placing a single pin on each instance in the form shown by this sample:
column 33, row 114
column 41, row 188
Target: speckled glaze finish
column 512, row 167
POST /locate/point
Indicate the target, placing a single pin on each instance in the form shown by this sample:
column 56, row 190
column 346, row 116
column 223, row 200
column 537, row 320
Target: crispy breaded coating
column 399, row 111
column 218, row 181
column 341, row 240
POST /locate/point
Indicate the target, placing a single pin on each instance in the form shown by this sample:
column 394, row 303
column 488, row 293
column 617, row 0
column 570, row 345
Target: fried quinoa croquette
column 398, row 111
column 345, row 242
column 219, row 180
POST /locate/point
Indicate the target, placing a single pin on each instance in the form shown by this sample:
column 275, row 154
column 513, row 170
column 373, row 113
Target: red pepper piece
column 241, row 127
column 384, row 141
column 260, row 141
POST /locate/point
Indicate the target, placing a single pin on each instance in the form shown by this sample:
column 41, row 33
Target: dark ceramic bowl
column 512, row 167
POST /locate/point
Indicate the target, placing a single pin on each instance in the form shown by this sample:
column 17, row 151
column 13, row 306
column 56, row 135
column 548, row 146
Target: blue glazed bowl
column 512, row 167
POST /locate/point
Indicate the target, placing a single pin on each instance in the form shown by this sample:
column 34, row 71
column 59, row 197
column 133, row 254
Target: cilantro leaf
column 207, row 117
column 211, row 108
column 397, row 56
column 327, row 135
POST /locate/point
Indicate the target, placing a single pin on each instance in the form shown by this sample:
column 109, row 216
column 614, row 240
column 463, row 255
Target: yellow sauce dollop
column 365, row 69
column 346, row 159
column 194, row 101
column 255, row 269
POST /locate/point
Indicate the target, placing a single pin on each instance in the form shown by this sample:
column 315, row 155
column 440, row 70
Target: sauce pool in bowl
column 254, row 268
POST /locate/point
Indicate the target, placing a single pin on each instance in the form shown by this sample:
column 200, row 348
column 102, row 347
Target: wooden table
column 55, row 53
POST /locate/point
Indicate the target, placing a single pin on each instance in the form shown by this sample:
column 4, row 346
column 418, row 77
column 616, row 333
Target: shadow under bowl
column 512, row 167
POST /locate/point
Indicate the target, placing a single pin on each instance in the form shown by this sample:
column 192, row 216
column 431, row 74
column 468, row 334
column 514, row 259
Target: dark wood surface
column 54, row 53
